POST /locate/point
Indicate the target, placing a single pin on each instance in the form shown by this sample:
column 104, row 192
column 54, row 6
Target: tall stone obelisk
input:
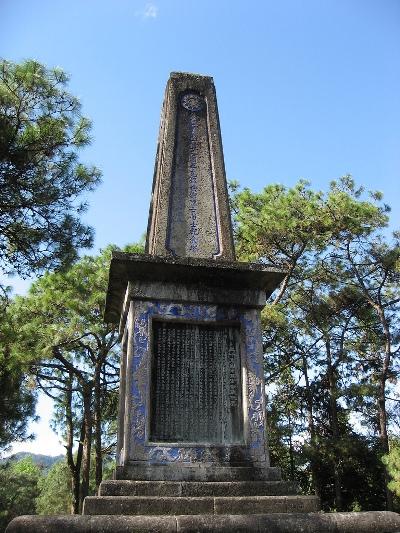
column 189, row 213
column 192, row 384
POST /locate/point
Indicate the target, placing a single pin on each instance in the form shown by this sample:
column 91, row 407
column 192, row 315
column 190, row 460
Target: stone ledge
column 201, row 472
column 163, row 291
column 196, row 488
column 127, row 267
column 181, row 505
column 368, row 522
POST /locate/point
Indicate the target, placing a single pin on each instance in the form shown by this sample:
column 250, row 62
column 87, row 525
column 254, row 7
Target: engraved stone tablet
column 192, row 223
column 196, row 383
column 189, row 213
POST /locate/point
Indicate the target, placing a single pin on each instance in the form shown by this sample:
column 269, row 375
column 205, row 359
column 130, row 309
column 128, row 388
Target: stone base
column 147, row 472
column 371, row 522
column 219, row 505
column 195, row 489
column 193, row 498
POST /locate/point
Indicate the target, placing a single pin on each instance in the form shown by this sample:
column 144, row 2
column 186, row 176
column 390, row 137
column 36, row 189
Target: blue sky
column 306, row 88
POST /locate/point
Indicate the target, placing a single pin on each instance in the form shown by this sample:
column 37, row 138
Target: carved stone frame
column 136, row 447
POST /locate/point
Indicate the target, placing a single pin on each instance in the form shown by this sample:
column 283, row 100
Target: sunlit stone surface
column 189, row 216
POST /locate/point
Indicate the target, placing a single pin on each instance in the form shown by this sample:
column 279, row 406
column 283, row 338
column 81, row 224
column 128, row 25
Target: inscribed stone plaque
column 193, row 228
column 196, row 383
column 189, row 213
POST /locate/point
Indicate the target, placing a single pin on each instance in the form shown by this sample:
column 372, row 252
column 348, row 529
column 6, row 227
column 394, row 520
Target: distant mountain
column 43, row 461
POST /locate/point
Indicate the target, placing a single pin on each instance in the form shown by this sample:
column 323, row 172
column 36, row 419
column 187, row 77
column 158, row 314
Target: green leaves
column 326, row 340
column 55, row 491
column 18, row 489
column 281, row 225
column 41, row 178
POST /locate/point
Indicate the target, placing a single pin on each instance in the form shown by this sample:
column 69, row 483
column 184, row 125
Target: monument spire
column 189, row 212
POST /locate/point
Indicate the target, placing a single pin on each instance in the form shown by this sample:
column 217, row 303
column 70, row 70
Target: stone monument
column 192, row 442
column 192, row 385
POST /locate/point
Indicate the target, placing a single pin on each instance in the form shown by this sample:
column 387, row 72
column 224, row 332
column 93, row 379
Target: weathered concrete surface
column 146, row 505
column 93, row 524
column 193, row 488
column 370, row 522
column 168, row 505
column 189, row 211
column 196, row 473
column 196, row 273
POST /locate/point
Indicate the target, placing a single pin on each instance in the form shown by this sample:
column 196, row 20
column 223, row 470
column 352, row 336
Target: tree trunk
column 383, row 434
column 291, row 454
column 332, row 379
column 87, row 442
column 97, row 425
column 311, row 429
column 74, row 467
column 382, row 412
column 69, row 447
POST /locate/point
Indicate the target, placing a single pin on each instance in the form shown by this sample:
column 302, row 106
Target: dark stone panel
column 196, row 383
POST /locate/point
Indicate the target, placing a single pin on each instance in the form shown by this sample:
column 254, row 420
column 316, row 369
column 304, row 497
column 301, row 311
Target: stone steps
column 167, row 505
column 365, row 522
column 196, row 488
column 154, row 472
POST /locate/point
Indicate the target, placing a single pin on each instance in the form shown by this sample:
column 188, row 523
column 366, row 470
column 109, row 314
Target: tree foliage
column 17, row 391
column 55, row 491
column 74, row 359
column 41, row 178
column 330, row 332
column 41, row 183
column 18, row 399
column 19, row 488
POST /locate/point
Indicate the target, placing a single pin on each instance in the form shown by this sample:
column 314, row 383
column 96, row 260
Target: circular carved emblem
column 193, row 102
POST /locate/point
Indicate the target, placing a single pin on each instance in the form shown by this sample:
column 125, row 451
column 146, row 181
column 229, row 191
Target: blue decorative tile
column 139, row 448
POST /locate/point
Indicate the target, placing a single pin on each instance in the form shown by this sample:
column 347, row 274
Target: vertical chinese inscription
column 196, row 383
column 192, row 223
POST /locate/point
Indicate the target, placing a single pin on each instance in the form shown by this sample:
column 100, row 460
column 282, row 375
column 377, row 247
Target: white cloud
column 150, row 11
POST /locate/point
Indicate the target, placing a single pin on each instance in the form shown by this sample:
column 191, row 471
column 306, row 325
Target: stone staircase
column 150, row 506
column 144, row 498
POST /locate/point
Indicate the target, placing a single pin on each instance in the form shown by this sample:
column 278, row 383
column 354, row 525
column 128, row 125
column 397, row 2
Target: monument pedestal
column 192, row 428
column 197, row 498
column 192, row 379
